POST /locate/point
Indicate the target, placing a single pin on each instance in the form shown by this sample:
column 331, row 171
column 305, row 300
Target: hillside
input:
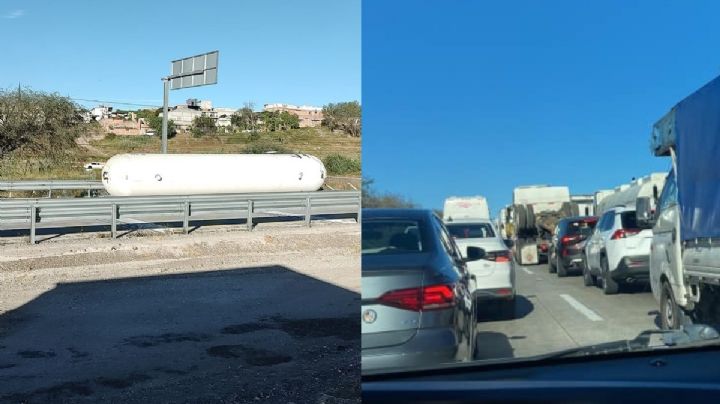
column 319, row 142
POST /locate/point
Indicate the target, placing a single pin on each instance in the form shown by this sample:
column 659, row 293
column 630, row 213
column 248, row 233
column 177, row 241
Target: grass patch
column 264, row 147
column 337, row 164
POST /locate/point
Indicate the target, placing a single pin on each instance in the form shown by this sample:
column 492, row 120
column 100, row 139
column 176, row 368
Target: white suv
column 618, row 251
column 494, row 274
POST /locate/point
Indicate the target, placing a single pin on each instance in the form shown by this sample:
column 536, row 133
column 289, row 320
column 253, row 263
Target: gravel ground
column 219, row 315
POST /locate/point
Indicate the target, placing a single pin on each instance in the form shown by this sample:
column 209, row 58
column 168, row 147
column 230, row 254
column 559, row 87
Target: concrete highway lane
column 554, row 313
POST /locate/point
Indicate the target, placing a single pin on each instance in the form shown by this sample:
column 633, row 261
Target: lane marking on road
column 591, row 315
column 527, row 271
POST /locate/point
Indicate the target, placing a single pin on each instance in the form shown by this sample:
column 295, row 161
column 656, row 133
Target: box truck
column 685, row 248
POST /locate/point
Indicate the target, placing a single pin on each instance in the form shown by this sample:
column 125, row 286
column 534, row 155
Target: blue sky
column 304, row 52
column 477, row 97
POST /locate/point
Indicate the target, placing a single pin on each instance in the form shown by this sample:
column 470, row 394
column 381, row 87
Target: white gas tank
column 192, row 174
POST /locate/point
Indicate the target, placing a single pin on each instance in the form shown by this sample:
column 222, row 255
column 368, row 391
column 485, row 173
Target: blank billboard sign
column 199, row 70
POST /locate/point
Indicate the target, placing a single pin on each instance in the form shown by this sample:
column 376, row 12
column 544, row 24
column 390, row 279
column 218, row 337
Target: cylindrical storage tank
column 192, row 174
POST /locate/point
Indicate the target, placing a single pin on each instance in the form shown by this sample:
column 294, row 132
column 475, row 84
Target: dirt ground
column 219, row 315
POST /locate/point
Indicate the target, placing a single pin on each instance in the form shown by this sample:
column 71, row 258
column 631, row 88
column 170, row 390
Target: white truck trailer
column 458, row 208
column 627, row 195
column 685, row 249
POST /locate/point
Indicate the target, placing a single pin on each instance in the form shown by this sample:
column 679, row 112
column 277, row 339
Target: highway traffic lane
column 554, row 313
column 267, row 333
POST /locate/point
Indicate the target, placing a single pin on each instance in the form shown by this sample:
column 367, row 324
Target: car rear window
column 629, row 220
column 475, row 230
column 391, row 236
column 581, row 227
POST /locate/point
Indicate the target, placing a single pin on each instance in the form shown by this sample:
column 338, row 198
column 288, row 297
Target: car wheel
column 671, row 316
column 588, row 279
column 551, row 265
column 610, row 287
column 561, row 270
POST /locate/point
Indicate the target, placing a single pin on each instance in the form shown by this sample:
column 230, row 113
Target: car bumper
column 632, row 269
column 428, row 347
column 573, row 261
column 504, row 293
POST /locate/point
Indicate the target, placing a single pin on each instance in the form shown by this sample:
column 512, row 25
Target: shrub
column 337, row 164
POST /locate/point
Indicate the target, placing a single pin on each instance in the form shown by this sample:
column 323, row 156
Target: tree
column 271, row 120
column 372, row 199
column 245, row 117
column 289, row 121
column 155, row 123
column 203, row 125
column 37, row 121
column 345, row 116
column 149, row 113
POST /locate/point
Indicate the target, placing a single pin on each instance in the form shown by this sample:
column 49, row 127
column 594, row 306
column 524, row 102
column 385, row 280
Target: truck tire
column 521, row 216
column 530, row 221
column 609, row 286
column 671, row 316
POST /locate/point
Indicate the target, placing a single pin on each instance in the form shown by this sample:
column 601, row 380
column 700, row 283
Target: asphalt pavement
column 553, row 314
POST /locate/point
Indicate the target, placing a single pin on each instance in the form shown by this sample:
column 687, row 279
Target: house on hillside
column 310, row 117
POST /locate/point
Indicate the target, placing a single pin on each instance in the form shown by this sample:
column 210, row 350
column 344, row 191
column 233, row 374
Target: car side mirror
column 474, row 254
column 655, row 193
column 509, row 243
column 644, row 212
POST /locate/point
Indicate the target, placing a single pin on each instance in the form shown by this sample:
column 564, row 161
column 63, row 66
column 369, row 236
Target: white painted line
column 591, row 315
column 527, row 271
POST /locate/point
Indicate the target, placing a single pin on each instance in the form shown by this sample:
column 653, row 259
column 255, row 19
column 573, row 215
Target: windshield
column 478, row 230
column 558, row 259
column 581, row 227
column 629, row 220
column 391, row 236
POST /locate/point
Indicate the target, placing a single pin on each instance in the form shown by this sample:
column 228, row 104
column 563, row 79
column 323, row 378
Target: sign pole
column 166, row 90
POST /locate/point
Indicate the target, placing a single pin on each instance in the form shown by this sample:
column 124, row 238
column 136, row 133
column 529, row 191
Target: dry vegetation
column 319, row 142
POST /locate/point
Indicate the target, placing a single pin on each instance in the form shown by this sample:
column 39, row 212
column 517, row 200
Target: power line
column 115, row 102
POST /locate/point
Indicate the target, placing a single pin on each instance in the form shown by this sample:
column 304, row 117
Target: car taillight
column 569, row 239
column 623, row 233
column 421, row 299
column 498, row 256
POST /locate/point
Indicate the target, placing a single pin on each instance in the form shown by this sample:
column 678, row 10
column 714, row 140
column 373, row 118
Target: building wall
column 124, row 127
column 310, row 117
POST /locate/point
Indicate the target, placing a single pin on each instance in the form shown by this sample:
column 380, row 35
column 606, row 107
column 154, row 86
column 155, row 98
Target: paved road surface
column 554, row 313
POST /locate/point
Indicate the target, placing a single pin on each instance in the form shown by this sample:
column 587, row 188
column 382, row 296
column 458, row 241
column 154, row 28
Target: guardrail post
column 33, row 218
column 359, row 211
column 307, row 211
column 186, row 217
column 250, row 208
column 113, row 222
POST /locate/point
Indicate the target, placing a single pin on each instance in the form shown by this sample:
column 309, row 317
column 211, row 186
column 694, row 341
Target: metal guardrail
column 47, row 185
column 50, row 185
column 173, row 208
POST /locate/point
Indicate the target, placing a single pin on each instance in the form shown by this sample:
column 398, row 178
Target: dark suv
column 569, row 238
